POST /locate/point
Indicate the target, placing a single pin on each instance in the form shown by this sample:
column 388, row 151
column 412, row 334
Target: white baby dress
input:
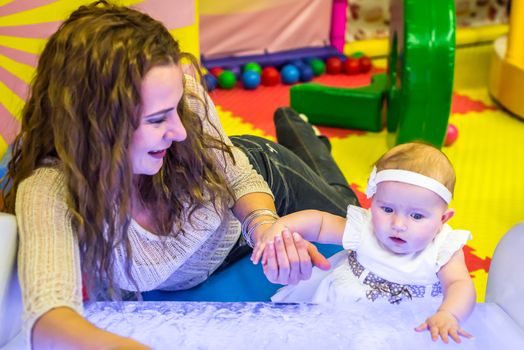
column 365, row 271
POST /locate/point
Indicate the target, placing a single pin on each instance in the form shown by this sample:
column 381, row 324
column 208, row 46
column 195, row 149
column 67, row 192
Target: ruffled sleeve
column 448, row 242
column 357, row 220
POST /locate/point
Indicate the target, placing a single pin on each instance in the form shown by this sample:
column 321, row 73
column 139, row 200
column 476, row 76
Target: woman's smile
column 158, row 154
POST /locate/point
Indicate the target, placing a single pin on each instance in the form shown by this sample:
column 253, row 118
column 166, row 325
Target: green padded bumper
column 357, row 108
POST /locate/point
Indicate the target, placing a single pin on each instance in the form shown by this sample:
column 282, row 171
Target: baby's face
column 406, row 217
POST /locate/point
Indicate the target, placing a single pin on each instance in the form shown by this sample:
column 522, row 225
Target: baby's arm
column 316, row 226
column 458, row 303
column 312, row 225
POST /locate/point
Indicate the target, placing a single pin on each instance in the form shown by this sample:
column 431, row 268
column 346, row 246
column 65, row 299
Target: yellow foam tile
column 489, row 192
column 480, row 280
column 479, row 94
column 356, row 154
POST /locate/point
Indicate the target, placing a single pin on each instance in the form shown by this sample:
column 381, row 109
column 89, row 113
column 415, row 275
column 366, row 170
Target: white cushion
column 506, row 274
column 10, row 297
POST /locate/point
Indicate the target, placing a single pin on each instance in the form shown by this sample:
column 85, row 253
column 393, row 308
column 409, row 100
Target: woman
column 123, row 181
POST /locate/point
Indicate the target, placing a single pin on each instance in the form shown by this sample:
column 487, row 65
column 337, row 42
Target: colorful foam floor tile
column 489, row 195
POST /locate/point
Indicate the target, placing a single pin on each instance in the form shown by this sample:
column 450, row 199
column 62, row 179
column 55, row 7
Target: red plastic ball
column 270, row 76
column 333, row 65
column 352, row 66
column 364, row 64
column 216, row 71
column 451, row 135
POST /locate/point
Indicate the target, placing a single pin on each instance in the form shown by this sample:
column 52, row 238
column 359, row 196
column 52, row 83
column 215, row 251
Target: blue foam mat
column 241, row 281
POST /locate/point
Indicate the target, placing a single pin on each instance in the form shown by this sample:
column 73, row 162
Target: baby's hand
column 443, row 323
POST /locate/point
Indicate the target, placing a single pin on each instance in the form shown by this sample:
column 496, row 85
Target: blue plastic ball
column 306, row 73
column 250, row 79
column 211, row 82
column 289, row 74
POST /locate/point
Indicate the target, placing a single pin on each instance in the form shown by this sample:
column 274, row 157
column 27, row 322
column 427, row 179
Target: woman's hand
column 286, row 258
column 444, row 324
column 282, row 265
column 64, row 328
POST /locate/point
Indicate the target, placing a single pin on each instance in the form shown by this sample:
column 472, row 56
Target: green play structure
column 413, row 99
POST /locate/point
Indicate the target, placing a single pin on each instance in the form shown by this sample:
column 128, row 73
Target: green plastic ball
column 227, row 79
column 253, row 66
column 318, row 66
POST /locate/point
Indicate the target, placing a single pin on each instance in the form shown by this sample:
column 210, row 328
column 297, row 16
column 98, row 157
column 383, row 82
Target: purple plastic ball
column 237, row 71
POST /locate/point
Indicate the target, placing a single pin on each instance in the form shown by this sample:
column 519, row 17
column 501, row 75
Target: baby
column 400, row 249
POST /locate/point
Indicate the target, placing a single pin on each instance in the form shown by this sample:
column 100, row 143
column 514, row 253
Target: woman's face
column 160, row 124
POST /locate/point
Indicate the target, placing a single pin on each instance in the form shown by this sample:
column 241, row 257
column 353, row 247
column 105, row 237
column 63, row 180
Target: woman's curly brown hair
column 83, row 108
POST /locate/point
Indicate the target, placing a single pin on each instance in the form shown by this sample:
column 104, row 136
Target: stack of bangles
column 248, row 230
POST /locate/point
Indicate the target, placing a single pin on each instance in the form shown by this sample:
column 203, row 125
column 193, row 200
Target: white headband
column 408, row 177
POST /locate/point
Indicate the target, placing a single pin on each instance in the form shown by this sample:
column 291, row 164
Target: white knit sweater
column 49, row 261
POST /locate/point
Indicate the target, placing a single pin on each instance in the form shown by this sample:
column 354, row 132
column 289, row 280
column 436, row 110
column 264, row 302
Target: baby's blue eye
column 417, row 216
column 387, row 209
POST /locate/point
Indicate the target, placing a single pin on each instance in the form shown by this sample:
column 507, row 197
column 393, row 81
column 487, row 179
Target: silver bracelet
column 254, row 214
column 249, row 236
